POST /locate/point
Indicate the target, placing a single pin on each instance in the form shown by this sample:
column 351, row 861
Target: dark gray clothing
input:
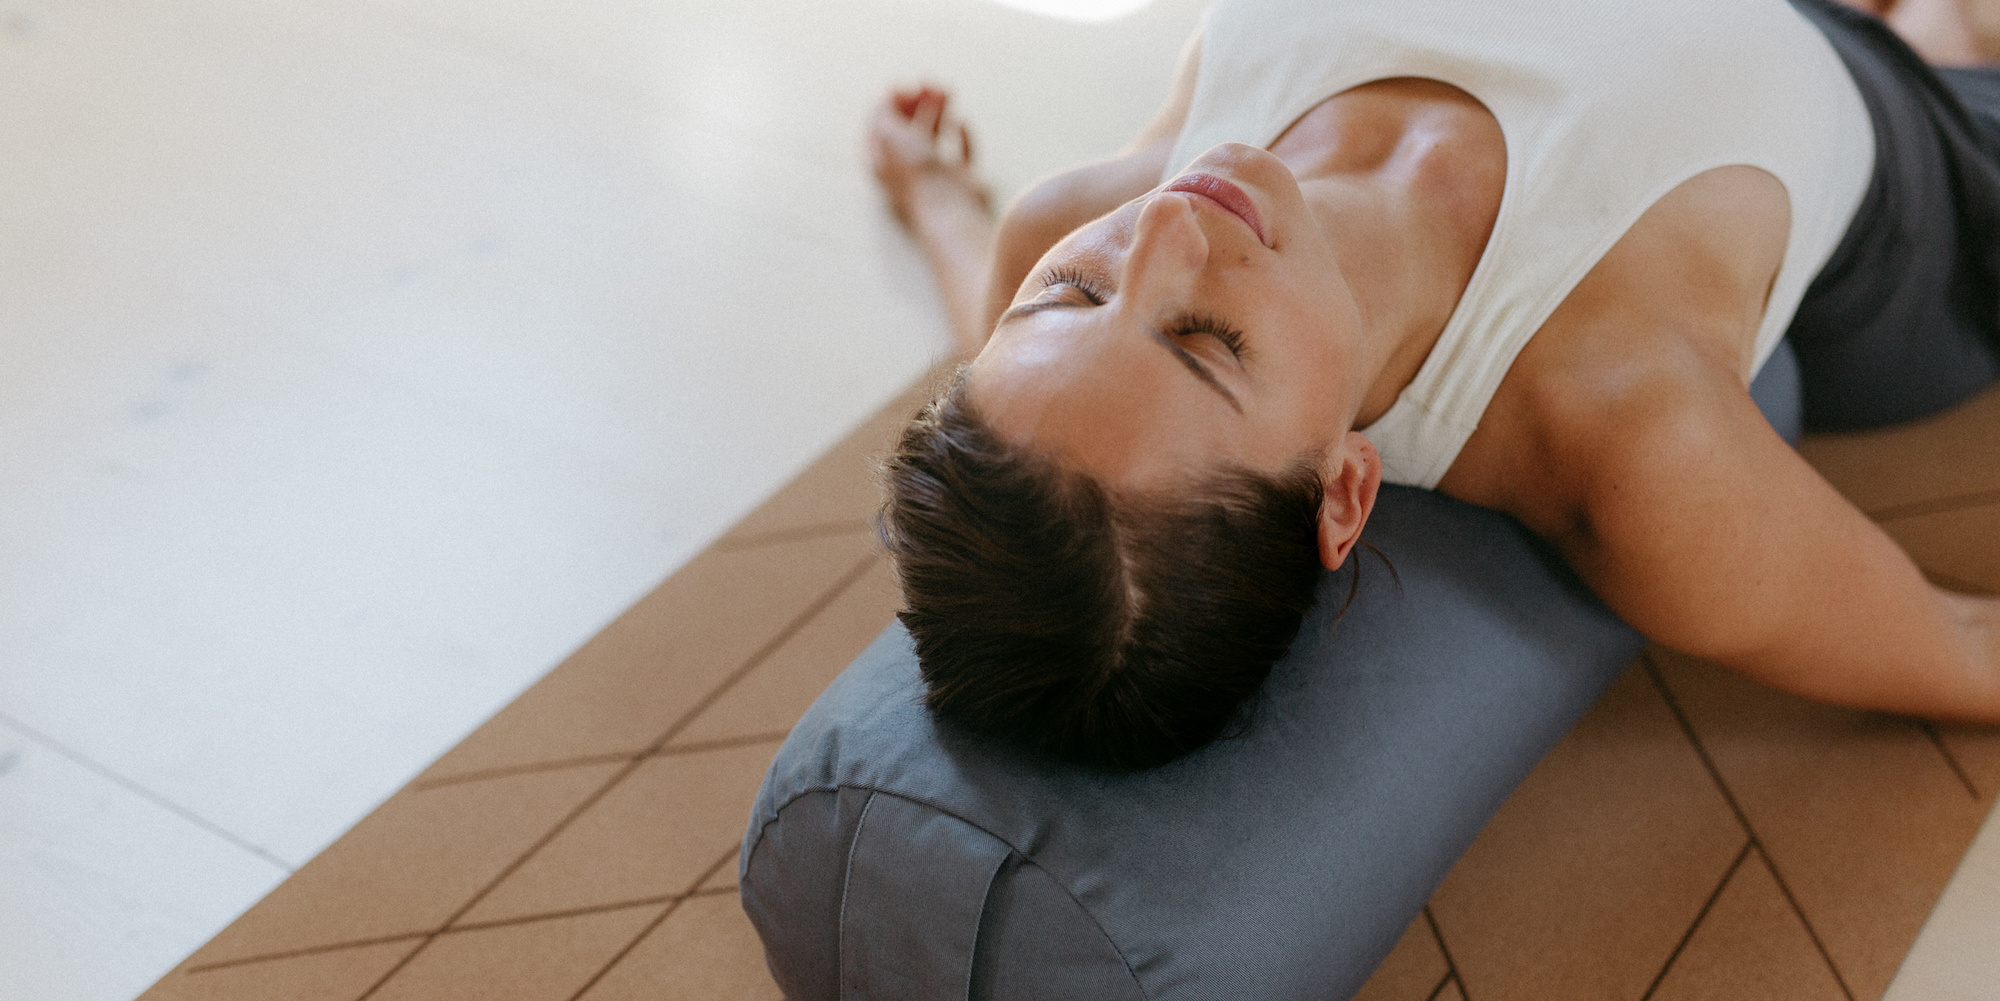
column 1901, row 321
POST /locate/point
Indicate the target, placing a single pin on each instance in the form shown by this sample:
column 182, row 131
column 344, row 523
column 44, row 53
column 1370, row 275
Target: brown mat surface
column 1696, row 836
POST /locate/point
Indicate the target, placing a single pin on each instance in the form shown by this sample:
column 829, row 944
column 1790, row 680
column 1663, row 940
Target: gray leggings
column 1902, row 321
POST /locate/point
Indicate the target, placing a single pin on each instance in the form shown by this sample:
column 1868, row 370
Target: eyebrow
column 1200, row 370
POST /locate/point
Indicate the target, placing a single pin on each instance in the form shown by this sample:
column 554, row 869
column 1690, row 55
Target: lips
column 1230, row 197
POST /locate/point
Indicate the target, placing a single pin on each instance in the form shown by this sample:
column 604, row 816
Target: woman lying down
column 1525, row 252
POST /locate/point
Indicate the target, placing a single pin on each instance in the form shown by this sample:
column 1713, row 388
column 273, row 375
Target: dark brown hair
column 1119, row 632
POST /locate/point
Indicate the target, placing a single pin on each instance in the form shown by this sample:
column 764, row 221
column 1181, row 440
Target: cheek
column 1302, row 358
column 1322, row 310
column 1292, row 334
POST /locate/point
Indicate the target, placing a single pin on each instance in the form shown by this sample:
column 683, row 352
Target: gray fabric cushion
column 888, row 858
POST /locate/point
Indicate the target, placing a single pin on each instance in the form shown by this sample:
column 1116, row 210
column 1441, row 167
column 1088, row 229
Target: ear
column 1352, row 473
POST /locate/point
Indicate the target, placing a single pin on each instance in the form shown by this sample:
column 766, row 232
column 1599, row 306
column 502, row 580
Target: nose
column 1168, row 246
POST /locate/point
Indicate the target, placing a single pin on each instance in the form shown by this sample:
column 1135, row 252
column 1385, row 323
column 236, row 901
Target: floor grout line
column 1699, row 917
column 311, row 950
column 569, row 912
column 1729, row 796
column 693, row 888
column 269, row 957
column 1700, row 750
column 1811, row 932
column 1951, row 760
column 727, row 544
column 1443, row 982
column 511, row 868
column 561, row 764
column 632, row 760
column 148, row 795
column 721, row 743
column 762, row 653
column 1450, row 964
column 1937, row 505
column 510, row 771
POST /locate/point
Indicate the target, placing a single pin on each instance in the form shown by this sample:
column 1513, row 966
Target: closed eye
column 1058, row 279
column 1191, row 324
column 1072, row 278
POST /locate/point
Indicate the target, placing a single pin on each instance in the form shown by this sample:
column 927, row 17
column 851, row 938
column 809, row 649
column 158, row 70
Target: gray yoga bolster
column 889, row 859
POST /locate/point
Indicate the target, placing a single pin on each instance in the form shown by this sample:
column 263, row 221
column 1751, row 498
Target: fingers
column 910, row 122
column 928, row 117
column 914, row 126
column 924, row 105
column 911, row 147
column 909, row 100
column 905, row 100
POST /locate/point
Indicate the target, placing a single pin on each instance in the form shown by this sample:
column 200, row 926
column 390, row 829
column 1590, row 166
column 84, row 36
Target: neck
column 1405, row 178
column 1395, row 276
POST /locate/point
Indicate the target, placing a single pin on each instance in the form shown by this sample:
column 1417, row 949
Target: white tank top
column 1606, row 105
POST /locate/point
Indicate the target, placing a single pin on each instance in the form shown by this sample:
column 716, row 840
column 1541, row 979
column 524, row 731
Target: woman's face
column 1205, row 324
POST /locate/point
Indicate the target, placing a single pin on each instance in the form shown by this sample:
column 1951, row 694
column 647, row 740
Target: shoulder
column 1605, row 449
column 1645, row 362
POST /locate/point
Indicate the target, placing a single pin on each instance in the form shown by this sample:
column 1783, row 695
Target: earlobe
column 1349, row 482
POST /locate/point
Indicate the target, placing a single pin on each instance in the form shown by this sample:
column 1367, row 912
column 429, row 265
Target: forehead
column 1116, row 407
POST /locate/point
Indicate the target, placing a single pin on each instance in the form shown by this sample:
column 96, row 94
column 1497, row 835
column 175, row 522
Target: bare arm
column 1623, row 434
column 1641, row 457
column 923, row 158
column 1703, row 529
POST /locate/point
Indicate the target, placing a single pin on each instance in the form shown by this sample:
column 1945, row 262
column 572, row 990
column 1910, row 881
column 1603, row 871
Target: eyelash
column 1184, row 325
column 1074, row 279
column 1190, row 324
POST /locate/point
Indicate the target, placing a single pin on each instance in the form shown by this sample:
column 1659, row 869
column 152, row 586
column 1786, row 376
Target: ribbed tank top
column 1605, row 106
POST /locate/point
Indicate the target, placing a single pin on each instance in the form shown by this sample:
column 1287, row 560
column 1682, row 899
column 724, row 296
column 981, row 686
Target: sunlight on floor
column 1086, row 11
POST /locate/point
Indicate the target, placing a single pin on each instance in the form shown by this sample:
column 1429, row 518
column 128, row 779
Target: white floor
column 359, row 358
column 1957, row 956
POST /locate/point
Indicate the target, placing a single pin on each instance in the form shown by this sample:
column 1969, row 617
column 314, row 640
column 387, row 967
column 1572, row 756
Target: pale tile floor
column 88, row 868
column 359, row 359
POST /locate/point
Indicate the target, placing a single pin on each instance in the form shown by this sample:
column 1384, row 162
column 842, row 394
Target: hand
column 918, row 149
